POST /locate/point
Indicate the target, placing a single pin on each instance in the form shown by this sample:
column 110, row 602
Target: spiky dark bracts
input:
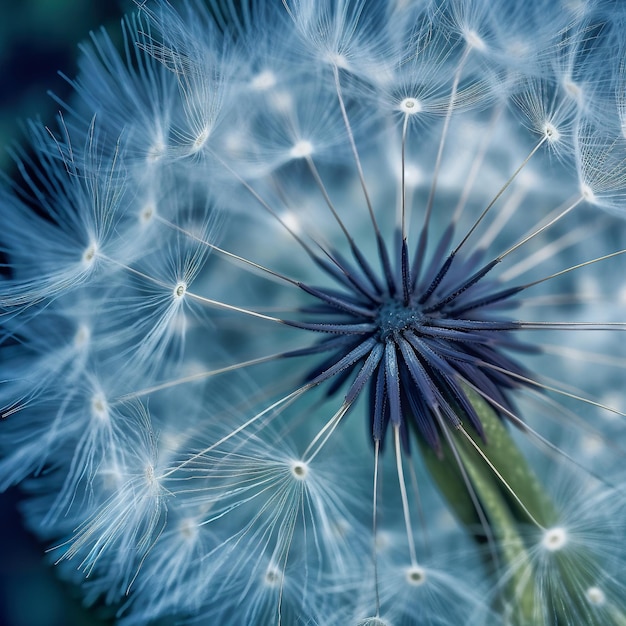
column 417, row 337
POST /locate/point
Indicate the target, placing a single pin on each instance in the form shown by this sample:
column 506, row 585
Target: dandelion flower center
column 394, row 317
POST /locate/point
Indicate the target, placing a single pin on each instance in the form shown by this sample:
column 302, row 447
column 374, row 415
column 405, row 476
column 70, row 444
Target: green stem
column 513, row 500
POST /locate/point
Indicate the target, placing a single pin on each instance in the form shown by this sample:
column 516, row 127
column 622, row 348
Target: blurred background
column 38, row 38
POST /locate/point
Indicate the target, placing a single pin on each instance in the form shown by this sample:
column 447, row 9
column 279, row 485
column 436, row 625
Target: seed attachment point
column 301, row 149
column 595, row 596
column 554, row 539
column 299, row 470
column 410, row 106
column 415, row 576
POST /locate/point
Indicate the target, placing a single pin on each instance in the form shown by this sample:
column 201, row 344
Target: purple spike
column 393, row 383
column 344, row 329
column 366, row 267
column 369, row 367
column 350, row 359
column 488, row 300
column 422, row 417
column 472, row 280
column 356, row 280
column 337, row 302
column 417, row 371
column 438, row 278
column 380, row 408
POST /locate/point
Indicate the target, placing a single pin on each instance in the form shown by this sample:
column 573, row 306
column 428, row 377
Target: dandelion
column 312, row 309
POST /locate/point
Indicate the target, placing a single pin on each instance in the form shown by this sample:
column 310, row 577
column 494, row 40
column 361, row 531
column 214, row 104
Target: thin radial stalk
column 375, row 526
column 405, row 266
column 547, row 225
column 403, row 495
column 507, row 293
column 574, row 267
column 553, row 389
column 420, row 509
column 548, row 251
column 405, row 127
column 498, row 195
column 355, row 251
column 501, row 478
column 269, row 209
column 586, row 356
column 314, row 448
column 485, row 269
column 423, row 240
column 470, row 325
column 562, row 414
column 284, row 401
column 199, row 376
column 571, row 325
column 476, row 165
column 132, row 270
column 524, row 427
column 355, row 152
column 470, row 490
column 500, row 220
column 320, row 183
column 231, row 307
column 226, row 253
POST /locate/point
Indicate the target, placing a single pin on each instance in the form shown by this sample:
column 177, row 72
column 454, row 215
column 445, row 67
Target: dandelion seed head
column 474, row 40
column 147, row 213
column 595, row 596
column 388, row 341
column 301, row 149
column 180, row 290
column 551, row 132
column 199, row 141
column 82, row 336
column 572, row 89
column 156, row 152
column 90, row 253
column 410, row 106
column 272, row 576
column 588, row 194
column 299, row 470
column 592, row 445
column 554, row 539
column 188, row 529
column 291, row 221
column 263, row 81
column 415, row 576
column 337, row 59
column 394, row 317
column 99, row 407
column 149, row 474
